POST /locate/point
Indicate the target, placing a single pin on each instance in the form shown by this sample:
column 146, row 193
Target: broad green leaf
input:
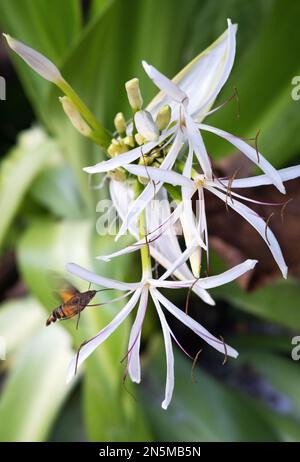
column 277, row 302
column 46, row 247
column 19, row 319
column 201, row 411
column 18, row 170
column 282, row 373
column 36, row 387
column 50, row 29
column 55, row 188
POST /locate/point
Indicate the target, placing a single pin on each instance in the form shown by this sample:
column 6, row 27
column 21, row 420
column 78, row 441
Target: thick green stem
column 145, row 253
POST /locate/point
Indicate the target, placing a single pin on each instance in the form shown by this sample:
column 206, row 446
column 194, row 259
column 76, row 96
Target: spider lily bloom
column 220, row 188
column 190, row 96
column 161, row 235
column 190, row 109
column 139, row 294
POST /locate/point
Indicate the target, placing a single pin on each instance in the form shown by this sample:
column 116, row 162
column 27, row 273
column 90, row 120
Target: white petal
column 204, row 76
column 286, row 174
column 196, row 141
column 221, row 72
column 169, row 354
column 259, row 224
column 195, row 326
column 100, row 280
column 145, row 125
column 164, row 84
column 134, row 366
column 121, row 159
column 159, row 174
column 251, row 153
column 228, row 276
column 122, row 195
column 181, row 259
column 210, row 281
column 89, row 347
column 39, row 63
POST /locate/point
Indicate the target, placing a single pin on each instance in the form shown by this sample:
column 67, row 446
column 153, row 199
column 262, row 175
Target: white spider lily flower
column 139, row 294
column 39, row 63
column 162, row 241
column 220, row 189
column 198, row 84
column 179, row 94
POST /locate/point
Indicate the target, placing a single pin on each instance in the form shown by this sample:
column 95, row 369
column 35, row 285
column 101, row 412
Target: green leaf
column 19, row 319
column 55, row 188
column 277, row 302
column 35, row 388
column 202, row 411
column 18, row 170
column 46, row 247
column 282, row 373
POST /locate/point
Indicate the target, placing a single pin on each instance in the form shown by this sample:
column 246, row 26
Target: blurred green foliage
column 97, row 53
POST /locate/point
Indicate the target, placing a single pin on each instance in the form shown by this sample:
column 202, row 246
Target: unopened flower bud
column 74, row 116
column 120, row 123
column 129, row 141
column 116, row 147
column 134, row 94
column 39, row 63
column 139, row 139
column 145, row 125
column 163, row 117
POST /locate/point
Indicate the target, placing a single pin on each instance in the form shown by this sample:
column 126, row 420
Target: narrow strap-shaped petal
column 196, row 141
column 134, row 365
column 159, row 174
column 210, row 281
column 121, row 159
column 257, row 158
column 181, row 259
column 169, row 353
column 195, row 326
column 286, row 174
column 122, row 196
column 127, row 157
column 91, row 345
column 164, row 84
column 89, row 276
column 222, row 71
column 259, row 224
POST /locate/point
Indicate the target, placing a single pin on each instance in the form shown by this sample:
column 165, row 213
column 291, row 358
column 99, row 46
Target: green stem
column 145, row 254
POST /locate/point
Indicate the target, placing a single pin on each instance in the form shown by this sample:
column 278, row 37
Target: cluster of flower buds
column 157, row 156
